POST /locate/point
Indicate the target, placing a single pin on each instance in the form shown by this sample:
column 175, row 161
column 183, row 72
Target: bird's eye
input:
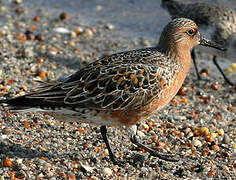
column 191, row 32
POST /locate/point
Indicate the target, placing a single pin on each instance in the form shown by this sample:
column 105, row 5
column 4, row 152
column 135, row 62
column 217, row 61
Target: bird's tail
column 19, row 103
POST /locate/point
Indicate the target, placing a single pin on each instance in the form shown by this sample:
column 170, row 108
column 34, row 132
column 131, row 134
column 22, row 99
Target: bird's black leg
column 221, row 71
column 111, row 155
column 193, row 55
column 134, row 139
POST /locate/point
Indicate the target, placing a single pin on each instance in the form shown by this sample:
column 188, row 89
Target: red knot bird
column 217, row 21
column 121, row 89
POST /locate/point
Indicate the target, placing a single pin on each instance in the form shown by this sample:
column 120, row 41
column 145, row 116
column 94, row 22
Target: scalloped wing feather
column 127, row 80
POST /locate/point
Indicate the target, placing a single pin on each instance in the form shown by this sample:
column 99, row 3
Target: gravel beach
column 38, row 43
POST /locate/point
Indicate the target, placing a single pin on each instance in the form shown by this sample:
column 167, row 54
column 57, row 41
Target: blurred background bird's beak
column 209, row 43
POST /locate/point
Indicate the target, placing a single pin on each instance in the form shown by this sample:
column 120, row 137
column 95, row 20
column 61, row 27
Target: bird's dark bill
column 209, row 43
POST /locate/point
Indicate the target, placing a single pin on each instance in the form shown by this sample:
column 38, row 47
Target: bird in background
column 214, row 20
column 121, row 89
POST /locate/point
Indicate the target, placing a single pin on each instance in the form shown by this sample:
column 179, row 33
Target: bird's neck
column 179, row 53
column 183, row 59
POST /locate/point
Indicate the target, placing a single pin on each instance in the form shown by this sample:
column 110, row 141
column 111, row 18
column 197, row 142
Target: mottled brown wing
column 111, row 83
column 127, row 87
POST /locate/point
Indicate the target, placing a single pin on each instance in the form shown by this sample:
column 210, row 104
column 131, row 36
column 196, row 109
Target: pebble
column 3, row 32
column 40, row 175
column 36, row 18
column 190, row 134
column 24, row 167
column 86, row 168
column 233, row 65
column 72, row 44
column 187, row 130
column 234, row 145
column 30, row 36
column 226, row 139
column 99, row 8
column 52, row 178
column 226, row 169
column 145, row 42
column 140, row 134
column 7, row 163
column 88, row 33
column 215, row 147
column 220, row 132
column 179, row 118
column 212, row 135
column 73, row 34
column 152, row 132
column 64, row 16
column 215, row 86
column 110, row 26
column 29, row 52
column 4, row 136
column 3, row 8
column 62, row 30
column 197, row 143
column 40, row 37
column 19, row 161
column 18, row 1
column 107, row 171
column 145, row 127
column 94, row 178
column 229, row 70
column 204, row 131
column 79, row 31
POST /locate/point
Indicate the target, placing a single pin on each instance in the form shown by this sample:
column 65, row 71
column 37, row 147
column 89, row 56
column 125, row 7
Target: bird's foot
column 163, row 156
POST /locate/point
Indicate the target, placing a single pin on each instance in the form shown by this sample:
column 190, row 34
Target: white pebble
column 140, row 134
column 88, row 33
column 62, row 30
column 145, row 42
column 107, row 171
column 110, row 26
column 52, row 178
column 72, row 34
column 19, row 161
column 197, row 143
column 24, row 167
column 179, row 118
column 4, row 136
column 18, row 1
column 99, row 8
column 29, row 52
column 86, row 168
